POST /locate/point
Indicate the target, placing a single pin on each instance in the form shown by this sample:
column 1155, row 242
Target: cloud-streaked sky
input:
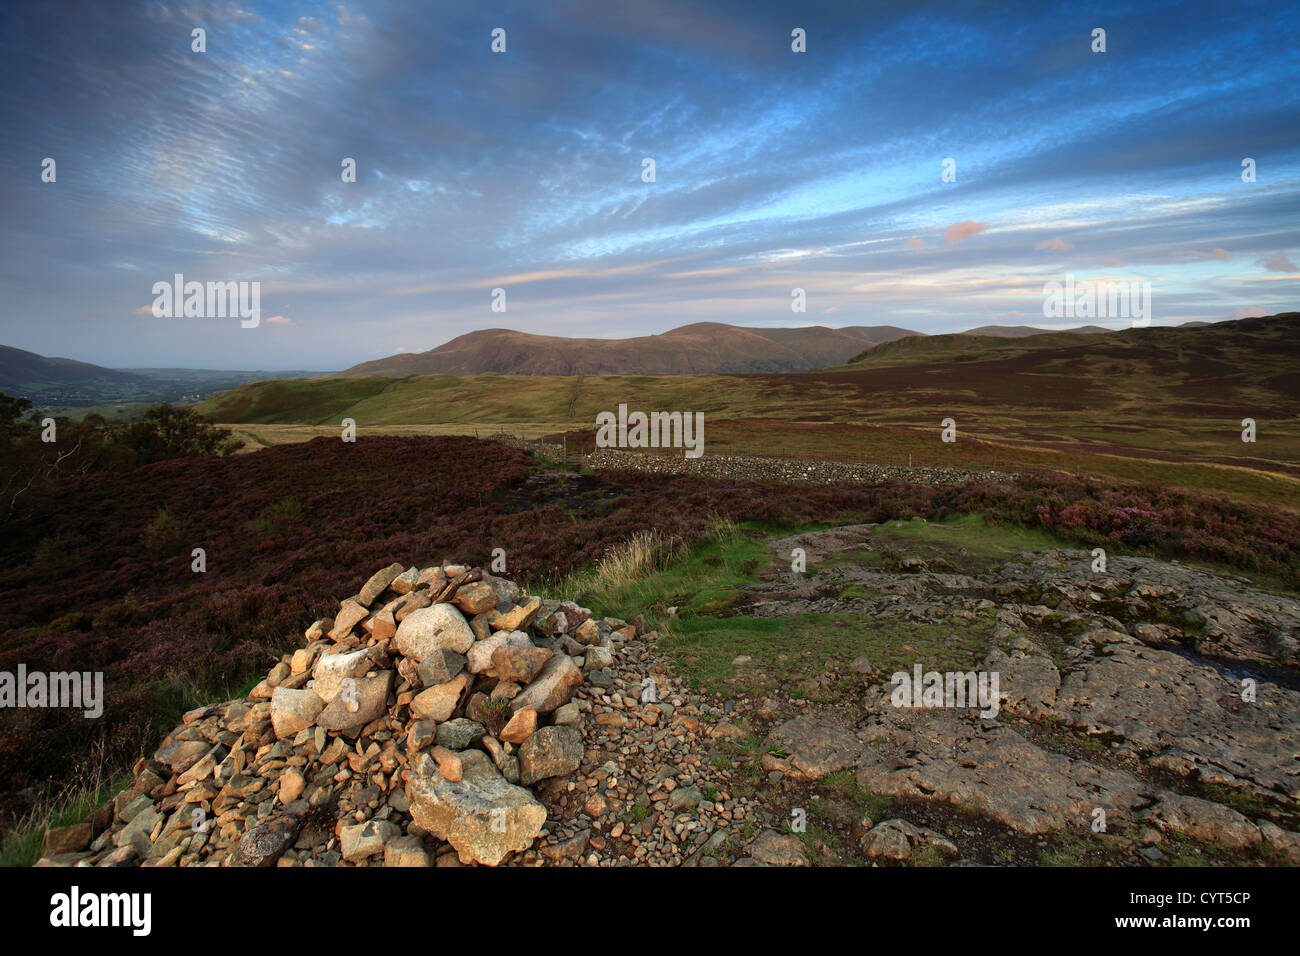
column 523, row 170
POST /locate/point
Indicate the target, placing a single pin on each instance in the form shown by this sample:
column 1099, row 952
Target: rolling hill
column 1214, row 357
column 701, row 348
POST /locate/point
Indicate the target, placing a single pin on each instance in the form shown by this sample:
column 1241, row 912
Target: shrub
column 285, row 512
column 163, row 534
column 59, row 554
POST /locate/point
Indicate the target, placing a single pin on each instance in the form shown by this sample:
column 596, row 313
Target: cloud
column 769, row 177
column 1196, row 255
column 961, row 231
column 1278, row 262
column 144, row 310
column 279, row 320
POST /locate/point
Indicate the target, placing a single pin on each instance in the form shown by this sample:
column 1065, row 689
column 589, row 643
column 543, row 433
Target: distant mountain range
column 1218, row 374
column 702, row 348
column 705, row 347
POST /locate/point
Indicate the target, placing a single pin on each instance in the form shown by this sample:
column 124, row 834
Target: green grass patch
column 787, row 650
column 23, row 845
column 984, row 543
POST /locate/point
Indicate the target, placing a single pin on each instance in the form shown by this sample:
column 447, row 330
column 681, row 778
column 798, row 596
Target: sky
column 523, row 170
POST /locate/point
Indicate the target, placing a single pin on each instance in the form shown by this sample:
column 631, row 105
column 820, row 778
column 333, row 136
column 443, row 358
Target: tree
column 12, row 412
column 166, row 431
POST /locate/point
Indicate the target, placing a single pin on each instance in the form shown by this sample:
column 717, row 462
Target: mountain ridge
column 698, row 348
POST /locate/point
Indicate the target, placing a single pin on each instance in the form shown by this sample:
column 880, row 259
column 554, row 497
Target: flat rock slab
column 778, row 849
column 939, row 756
column 814, row 747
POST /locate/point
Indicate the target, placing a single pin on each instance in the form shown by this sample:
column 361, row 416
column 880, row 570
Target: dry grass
column 58, row 807
column 635, row 559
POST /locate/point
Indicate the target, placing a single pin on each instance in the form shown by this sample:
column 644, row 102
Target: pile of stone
column 416, row 720
column 785, row 470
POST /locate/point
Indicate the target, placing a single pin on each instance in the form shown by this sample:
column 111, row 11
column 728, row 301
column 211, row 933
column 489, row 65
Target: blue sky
column 522, row 170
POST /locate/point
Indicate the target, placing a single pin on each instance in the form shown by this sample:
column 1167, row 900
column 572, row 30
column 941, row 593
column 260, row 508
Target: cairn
column 420, row 715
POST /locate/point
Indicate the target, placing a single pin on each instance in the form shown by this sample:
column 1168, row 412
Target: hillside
column 1235, row 350
column 19, row 367
column 702, row 348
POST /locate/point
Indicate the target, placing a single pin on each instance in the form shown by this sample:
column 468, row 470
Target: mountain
column 65, row 383
column 1023, row 331
column 701, row 348
column 19, row 367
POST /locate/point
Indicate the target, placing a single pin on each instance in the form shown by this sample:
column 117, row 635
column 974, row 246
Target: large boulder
column 551, row 688
column 550, row 752
column 294, row 710
column 430, row 629
column 481, row 815
column 331, row 670
column 439, row 702
column 349, row 712
column 263, row 843
column 378, row 584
